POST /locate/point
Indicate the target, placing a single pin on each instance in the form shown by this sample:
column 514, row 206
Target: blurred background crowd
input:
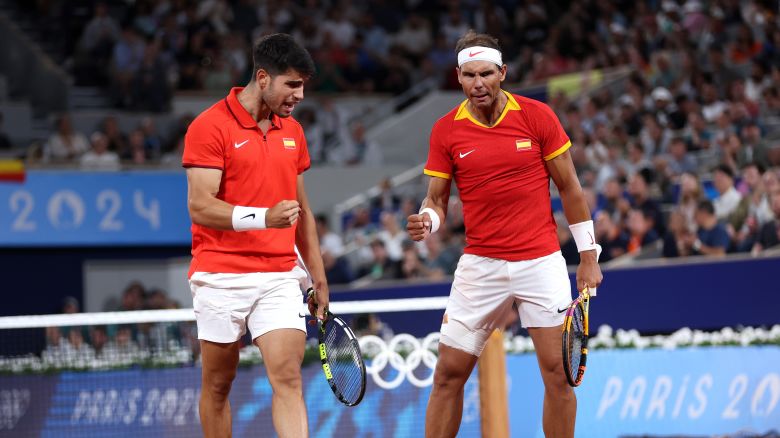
column 683, row 159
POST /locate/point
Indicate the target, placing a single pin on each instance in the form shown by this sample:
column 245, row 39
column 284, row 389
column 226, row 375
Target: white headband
column 479, row 53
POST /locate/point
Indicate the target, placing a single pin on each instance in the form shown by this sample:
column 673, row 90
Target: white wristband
column 435, row 220
column 248, row 218
column 583, row 235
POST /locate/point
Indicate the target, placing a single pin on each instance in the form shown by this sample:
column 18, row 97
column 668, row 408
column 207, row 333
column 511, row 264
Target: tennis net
column 118, row 374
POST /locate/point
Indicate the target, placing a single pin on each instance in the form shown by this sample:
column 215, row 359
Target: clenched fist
column 282, row 215
column 418, row 226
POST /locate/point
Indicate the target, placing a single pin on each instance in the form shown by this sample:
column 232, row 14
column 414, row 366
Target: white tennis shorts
column 226, row 304
column 484, row 290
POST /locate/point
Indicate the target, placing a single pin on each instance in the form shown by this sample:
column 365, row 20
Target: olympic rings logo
column 383, row 354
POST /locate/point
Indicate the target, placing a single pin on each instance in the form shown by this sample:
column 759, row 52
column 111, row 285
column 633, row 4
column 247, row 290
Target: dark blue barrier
column 691, row 391
column 701, row 294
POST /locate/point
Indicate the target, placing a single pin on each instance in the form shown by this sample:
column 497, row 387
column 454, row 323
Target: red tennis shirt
column 501, row 175
column 257, row 171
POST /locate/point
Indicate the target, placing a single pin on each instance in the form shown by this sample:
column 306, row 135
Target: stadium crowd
column 116, row 345
column 683, row 159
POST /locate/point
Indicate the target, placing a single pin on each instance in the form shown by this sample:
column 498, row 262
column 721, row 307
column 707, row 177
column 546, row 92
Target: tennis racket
column 575, row 338
column 342, row 360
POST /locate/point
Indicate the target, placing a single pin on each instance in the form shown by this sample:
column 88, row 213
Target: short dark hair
column 277, row 53
column 759, row 167
column 725, row 168
column 706, row 207
column 322, row 218
column 471, row 39
column 647, row 175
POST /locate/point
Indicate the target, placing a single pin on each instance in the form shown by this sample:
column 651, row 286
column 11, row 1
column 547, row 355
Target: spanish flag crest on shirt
column 289, row 143
column 523, row 144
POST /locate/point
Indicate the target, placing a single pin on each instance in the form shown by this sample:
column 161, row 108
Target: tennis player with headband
column 502, row 149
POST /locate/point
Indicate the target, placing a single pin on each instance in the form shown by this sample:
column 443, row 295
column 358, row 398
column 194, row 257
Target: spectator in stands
column 711, row 236
column 133, row 297
column 97, row 41
column 136, row 153
column 361, row 150
column 441, row 256
column 691, row 194
column 70, row 305
column 5, row 141
column 359, row 230
column 413, row 266
column 337, row 269
column 156, row 299
column 381, row 267
column 754, row 148
column 677, row 234
column 613, row 240
column 128, row 55
column 149, row 82
column 98, row 338
column 640, row 229
column 744, row 222
column 728, row 197
column 122, row 349
column 392, row 235
column 315, row 137
column 678, row 159
column 117, row 141
column 769, row 236
column 369, row 324
column 78, row 353
column 387, row 200
column 640, row 198
column 173, row 158
column 99, row 157
column 65, row 144
column 153, row 143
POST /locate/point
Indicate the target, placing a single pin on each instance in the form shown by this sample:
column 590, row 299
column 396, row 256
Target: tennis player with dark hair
column 502, row 149
column 245, row 157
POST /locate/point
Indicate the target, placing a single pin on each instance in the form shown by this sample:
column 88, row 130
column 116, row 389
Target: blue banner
column 70, row 208
column 692, row 391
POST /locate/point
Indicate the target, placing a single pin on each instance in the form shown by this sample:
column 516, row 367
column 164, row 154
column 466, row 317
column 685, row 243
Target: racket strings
column 575, row 341
column 345, row 363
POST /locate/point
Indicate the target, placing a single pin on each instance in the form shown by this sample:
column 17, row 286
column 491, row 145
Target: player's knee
column 285, row 379
column 218, row 385
column 555, row 382
column 449, row 375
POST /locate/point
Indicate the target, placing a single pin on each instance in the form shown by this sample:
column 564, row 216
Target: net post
column 493, row 406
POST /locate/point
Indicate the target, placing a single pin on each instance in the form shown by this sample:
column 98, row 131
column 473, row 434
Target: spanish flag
column 523, row 144
column 289, row 143
column 12, row 170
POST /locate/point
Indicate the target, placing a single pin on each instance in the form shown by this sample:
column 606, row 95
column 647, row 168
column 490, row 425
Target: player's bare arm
column 575, row 208
column 208, row 210
column 419, row 225
column 308, row 244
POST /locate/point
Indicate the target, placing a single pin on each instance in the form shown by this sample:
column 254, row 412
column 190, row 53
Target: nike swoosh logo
column 300, row 315
column 473, row 54
column 591, row 239
column 564, row 309
column 250, row 214
column 462, row 155
column 238, row 145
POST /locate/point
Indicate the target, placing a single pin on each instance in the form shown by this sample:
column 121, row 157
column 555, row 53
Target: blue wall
column 695, row 391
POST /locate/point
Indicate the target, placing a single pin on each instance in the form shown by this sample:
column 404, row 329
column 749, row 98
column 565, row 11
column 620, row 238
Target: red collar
column 242, row 115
